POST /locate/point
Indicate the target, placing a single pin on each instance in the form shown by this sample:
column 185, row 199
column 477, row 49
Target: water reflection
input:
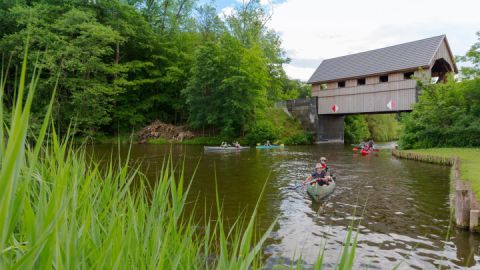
column 406, row 218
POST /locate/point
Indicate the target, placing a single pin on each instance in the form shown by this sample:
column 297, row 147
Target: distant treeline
column 118, row 65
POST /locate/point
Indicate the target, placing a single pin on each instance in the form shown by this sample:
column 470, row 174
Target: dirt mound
column 159, row 129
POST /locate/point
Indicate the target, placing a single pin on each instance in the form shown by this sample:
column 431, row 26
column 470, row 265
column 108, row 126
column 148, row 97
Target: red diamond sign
column 391, row 104
column 334, row 108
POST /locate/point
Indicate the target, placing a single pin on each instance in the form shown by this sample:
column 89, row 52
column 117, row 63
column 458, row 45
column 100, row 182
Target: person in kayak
column 323, row 162
column 320, row 175
column 224, row 144
column 370, row 144
column 267, row 143
column 236, row 144
column 366, row 146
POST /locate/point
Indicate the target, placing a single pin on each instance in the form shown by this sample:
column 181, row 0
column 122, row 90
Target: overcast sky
column 312, row 30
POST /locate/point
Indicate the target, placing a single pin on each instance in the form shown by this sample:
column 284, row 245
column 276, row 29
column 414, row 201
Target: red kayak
column 364, row 152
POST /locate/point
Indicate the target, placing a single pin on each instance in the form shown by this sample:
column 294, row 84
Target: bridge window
column 341, row 84
column 384, row 78
column 407, row 75
column 361, row 81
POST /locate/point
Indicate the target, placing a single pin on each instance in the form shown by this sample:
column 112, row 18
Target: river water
column 402, row 205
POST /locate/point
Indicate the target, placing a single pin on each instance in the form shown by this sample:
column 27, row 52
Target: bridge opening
column 440, row 70
column 383, row 127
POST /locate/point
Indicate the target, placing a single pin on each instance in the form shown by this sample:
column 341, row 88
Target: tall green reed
column 60, row 210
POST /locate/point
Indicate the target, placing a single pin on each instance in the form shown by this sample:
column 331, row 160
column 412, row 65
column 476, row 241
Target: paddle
column 302, row 184
column 309, row 182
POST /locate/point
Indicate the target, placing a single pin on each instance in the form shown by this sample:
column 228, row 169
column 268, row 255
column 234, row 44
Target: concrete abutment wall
column 326, row 128
column 330, row 128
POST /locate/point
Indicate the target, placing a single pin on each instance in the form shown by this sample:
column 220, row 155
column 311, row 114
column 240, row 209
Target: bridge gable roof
column 401, row 57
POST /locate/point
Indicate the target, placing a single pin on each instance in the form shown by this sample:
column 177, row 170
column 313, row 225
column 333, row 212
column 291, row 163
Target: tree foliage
column 446, row 115
column 356, row 129
column 228, row 84
column 383, row 127
column 472, row 57
column 121, row 64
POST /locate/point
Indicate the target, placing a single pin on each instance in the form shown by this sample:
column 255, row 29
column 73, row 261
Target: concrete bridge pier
column 330, row 128
column 325, row 127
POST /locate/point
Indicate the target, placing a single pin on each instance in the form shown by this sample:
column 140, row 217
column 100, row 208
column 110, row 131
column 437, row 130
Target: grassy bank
column 469, row 162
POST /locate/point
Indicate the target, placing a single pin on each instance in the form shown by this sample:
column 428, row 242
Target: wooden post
column 474, row 214
column 462, row 208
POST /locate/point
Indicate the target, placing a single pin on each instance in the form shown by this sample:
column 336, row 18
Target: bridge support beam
column 330, row 128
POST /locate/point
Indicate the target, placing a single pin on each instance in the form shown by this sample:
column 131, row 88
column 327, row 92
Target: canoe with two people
column 320, row 183
column 235, row 144
column 226, row 147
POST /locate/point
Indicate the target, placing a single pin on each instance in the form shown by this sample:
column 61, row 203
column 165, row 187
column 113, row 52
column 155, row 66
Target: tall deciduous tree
column 472, row 57
column 74, row 46
column 228, row 84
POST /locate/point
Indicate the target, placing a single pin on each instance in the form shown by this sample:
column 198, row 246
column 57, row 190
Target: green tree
column 383, row 127
column 292, row 89
column 446, row 115
column 472, row 57
column 74, row 46
column 356, row 129
column 248, row 23
column 228, row 85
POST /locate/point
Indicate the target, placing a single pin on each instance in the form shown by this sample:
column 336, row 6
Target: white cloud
column 317, row 29
column 262, row 2
column 265, row 2
column 226, row 11
column 298, row 72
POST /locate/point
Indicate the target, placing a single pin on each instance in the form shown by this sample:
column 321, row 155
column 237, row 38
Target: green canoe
column 319, row 192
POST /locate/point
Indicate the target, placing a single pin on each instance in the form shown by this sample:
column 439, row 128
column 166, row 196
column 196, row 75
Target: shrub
column 262, row 131
column 383, row 127
column 447, row 115
column 356, row 129
column 300, row 138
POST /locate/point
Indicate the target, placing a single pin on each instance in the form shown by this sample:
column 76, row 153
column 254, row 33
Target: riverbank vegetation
column 120, row 65
column 274, row 125
column 277, row 126
column 447, row 115
column 446, row 119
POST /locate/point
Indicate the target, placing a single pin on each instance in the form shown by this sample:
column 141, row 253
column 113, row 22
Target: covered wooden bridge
column 376, row 81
